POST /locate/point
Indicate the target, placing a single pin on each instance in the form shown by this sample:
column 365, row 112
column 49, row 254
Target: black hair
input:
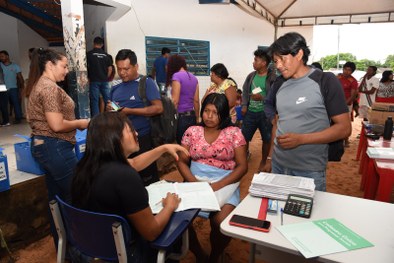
column 4, row 52
column 124, row 54
column 290, row 43
column 98, row 41
column 374, row 68
column 39, row 58
column 385, row 75
column 98, row 151
column 350, row 65
column 220, row 70
column 221, row 103
column 317, row 65
column 165, row 50
column 263, row 55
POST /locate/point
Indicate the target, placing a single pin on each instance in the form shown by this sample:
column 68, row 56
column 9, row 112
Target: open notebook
column 193, row 195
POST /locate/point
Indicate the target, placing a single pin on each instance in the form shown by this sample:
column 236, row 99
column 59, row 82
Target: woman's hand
column 171, row 201
column 173, row 149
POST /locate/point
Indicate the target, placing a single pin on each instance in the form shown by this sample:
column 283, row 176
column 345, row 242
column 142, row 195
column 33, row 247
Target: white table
column 372, row 220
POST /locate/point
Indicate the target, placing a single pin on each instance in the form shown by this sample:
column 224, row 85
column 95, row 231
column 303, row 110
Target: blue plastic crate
column 24, row 160
column 81, row 143
column 4, row 175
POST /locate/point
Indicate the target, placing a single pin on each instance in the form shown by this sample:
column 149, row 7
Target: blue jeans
column 13, row 95
column 4, row 107
column 95, row 88
column 58, row 159
column 184, row 122
column 253, row 121
column 318, row 176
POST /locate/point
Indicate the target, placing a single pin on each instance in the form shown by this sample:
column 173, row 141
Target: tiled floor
column 7, row 140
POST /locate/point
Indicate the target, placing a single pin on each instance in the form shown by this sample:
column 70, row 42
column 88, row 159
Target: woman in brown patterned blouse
column 52, row 120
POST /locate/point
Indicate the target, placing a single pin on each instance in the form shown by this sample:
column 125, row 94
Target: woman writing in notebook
column 106, row 181
column 218, row 155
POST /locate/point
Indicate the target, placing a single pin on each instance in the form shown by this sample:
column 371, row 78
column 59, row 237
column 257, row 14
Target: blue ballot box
column 81, row 143
column 4, row 175
column 24, row 160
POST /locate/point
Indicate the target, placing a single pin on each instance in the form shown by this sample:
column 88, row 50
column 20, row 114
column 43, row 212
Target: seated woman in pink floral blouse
column 218, row 155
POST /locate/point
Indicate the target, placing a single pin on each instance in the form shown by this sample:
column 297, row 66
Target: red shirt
column 348, row 84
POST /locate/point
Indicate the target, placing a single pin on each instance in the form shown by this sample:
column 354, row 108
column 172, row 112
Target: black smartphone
column 250, row 223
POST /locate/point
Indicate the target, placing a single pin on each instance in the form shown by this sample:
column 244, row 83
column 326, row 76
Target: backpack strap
column 322, row 80
column 142, row 89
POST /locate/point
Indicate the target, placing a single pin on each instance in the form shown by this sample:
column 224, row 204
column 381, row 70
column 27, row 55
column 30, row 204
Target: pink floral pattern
column 220, row 153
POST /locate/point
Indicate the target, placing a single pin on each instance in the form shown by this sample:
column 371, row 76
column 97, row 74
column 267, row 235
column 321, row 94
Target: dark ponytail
column 40, row 57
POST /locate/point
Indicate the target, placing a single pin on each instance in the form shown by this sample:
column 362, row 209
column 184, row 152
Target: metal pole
column 338, row 49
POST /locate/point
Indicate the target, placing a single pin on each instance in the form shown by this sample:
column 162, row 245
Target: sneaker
column 5, row 124
column 17, row 122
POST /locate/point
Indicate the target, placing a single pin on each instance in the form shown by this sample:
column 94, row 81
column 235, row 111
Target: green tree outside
column 330, row 61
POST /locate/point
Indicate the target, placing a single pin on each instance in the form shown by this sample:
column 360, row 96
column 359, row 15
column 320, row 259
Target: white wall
column 233, row 34
column 17, row 38
column 27, row 38
column 9, row 36
column 95, row 18
column 306, row 32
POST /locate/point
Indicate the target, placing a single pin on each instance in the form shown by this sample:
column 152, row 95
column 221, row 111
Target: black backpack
column 335, row 149
column 163, row 126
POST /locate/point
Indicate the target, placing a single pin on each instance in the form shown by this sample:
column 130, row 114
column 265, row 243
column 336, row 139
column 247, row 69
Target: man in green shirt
column 254, row 90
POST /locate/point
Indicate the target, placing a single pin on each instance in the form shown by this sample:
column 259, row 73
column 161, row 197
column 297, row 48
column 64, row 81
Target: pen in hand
column 158, row 203
column 281, row 216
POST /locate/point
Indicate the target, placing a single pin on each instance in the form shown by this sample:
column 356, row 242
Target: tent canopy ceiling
column 284, row 13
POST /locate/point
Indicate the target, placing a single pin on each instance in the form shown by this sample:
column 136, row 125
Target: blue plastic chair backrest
column 91, row 232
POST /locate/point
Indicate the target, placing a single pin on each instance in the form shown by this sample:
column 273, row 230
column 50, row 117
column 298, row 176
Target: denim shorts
column 318, row 176
column 253, row 121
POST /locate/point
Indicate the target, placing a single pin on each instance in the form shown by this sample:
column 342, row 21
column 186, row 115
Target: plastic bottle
column 388, row 129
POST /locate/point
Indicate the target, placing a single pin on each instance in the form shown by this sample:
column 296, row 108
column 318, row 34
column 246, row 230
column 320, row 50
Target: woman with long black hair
column 106, row 181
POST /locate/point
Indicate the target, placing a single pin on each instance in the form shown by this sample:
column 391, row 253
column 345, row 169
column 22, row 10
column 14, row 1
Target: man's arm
column 155, row 108
column 153, row 73
column 109, row 71
column 20, row 81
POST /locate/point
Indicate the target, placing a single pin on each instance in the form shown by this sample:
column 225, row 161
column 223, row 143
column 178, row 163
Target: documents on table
column 279, row 186
column 322, row 237
column 193, row 195
column 380, row 153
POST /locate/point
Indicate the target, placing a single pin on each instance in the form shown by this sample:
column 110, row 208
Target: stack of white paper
column 380, row 153
column 193, row 195
column 279, row 186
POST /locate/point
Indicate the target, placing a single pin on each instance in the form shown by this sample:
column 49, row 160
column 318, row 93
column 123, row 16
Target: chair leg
column 62, row 241
column 184, row 248
column 119, row 242
column 161, row 256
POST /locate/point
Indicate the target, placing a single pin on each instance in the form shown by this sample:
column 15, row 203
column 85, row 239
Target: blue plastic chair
column 106, row 236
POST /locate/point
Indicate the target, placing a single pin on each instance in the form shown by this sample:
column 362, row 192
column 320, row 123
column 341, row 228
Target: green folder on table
column 322, row 237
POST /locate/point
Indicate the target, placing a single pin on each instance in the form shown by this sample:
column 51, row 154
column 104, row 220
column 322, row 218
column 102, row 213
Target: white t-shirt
column 373, row 82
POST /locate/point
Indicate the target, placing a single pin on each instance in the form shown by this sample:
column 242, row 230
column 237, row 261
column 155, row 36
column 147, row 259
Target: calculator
column 298, row 205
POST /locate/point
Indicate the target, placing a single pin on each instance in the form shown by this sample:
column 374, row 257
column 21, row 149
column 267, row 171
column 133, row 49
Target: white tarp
column 320, row 12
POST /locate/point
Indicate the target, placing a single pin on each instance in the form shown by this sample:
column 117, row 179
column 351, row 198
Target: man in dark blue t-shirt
column 159, row 69
column 126, row 95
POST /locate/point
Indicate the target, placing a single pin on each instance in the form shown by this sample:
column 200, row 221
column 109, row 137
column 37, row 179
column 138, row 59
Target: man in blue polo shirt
column 159, row 70
column 126, row 95
column 14, row 83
